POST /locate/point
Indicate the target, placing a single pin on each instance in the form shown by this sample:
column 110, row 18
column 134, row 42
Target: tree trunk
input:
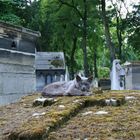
column 119, row 36
column 107, row 32
column 72, row 56
column 86, row 68
column 95, row 63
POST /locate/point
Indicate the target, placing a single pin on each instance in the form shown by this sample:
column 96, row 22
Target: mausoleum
column 50, row 67
column 17, row 61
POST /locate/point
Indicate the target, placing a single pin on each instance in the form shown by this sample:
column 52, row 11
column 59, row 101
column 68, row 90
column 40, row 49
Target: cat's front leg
column 86, row 93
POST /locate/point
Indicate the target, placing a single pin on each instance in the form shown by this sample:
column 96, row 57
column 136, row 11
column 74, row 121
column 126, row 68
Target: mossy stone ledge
column 22, row 120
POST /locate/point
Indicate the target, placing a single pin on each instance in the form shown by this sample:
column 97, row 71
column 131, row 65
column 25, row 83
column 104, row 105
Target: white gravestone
column 117, row 76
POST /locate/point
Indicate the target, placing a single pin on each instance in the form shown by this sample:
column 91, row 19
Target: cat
column 77, row 87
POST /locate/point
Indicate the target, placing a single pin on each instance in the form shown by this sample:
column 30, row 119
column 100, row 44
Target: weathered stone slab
column 16, row 57
column 14, row 68
column 17, row 83
column 22, row 120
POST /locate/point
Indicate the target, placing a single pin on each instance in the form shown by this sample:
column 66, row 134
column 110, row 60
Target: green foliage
column 134, row 28
column 130, row 55
column 11, row 18
column 104, row 72
column 8, row 13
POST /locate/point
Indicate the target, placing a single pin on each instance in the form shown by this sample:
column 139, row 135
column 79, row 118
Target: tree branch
column 72, row 6
column 77, row 26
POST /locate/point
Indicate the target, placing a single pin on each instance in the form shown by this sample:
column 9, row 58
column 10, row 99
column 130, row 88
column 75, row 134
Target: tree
column 83, row 17
column 7, row 12
column 133, row 28
column 107, row 32
column 117, row 5
column 71, row 25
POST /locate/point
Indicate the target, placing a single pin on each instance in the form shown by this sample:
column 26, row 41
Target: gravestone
column 117, row 76
column 104, row 84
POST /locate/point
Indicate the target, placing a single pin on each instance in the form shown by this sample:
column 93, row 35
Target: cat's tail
column 43, row 93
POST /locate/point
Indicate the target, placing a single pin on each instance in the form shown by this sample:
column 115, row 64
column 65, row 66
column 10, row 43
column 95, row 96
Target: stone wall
column 136, row 77
column 17, row 75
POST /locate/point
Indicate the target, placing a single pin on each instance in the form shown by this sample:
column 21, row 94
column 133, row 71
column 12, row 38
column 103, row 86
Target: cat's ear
column 90, row 79
column 78, row 78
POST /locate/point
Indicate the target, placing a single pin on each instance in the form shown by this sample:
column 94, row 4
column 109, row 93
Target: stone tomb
column 50, row 67
column 17, row 62
column 132, row 77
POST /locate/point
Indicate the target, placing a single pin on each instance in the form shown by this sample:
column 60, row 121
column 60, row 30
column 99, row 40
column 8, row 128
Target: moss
column 2, row 121
column 96, row 90
column 57, row 63
column 101, row 127
column 60, row 117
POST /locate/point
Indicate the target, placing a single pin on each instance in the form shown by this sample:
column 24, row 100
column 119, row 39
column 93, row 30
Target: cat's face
column 83, row 84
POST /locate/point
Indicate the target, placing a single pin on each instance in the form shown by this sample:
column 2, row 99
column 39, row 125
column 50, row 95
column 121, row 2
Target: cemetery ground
column 106, row 115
